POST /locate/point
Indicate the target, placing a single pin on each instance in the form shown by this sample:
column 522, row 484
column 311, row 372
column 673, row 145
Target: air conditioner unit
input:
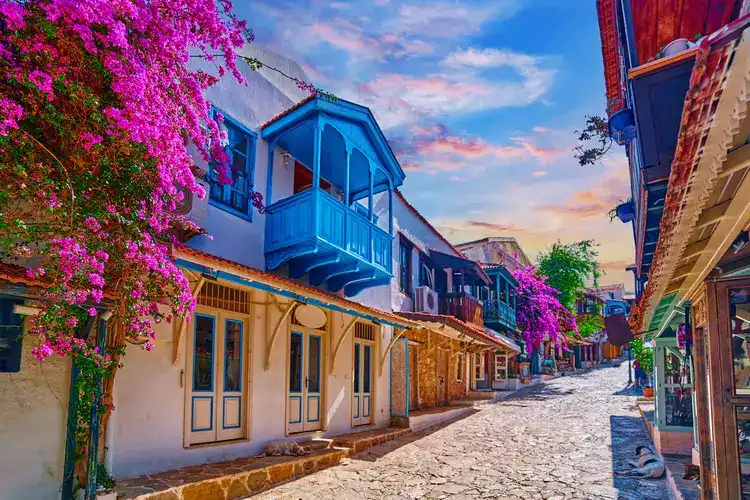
column 192, row 207
column 427, row 300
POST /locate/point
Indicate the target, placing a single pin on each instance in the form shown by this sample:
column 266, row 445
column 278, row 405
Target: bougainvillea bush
column 539, row 313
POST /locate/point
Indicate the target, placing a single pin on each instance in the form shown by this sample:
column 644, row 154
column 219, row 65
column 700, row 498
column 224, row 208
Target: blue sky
column 480, row 100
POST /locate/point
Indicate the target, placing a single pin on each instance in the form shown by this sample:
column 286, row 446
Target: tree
column 597, row 130
column 98, row 101
column 569, row 267
column 540, row 315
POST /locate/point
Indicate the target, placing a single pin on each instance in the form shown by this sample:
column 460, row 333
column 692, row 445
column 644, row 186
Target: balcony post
column 317, row 140
column 369, row 194
column 348, row 158
column 269, row 174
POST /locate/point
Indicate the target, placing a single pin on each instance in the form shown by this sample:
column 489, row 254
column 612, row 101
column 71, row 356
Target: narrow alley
column 559, row 440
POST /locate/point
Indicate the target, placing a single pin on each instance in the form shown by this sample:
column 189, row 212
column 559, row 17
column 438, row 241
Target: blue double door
column 362, row 384
column 304, row 399
column 217, row 378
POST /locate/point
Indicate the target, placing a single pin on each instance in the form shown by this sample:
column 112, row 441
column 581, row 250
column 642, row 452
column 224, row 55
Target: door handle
column 307, row 382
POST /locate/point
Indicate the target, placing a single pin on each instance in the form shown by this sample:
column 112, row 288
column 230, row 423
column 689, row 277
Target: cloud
column 539, row 173
column 460, row 87
column 543, row 154
column 449, row 19
column 466, row 148
column 498, row 228
column 594, row 202
column 614, row 265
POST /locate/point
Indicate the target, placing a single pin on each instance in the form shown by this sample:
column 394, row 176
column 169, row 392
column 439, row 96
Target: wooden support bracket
column 273, row 300
column 181, row 323
column 340, row 341
column 439, row 344
column 275, row 333
column 388, row 348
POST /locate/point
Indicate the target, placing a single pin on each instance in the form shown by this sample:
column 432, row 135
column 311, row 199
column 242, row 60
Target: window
column 11, row 336
column 235, row 197
column 460, row 367
column 479, row 366
column 501, row 367
column 404, row 264
column 425, row 273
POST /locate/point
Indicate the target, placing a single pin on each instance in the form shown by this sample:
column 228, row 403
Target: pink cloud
column 543, row 154
column 595, row 202
column 467, row 148
column 349, row 39
column 539, row 173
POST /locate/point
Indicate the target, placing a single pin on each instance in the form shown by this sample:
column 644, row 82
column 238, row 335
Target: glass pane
column 678, row 406
column 233, row 356
column 743, row 448
column 203, row 367
column 739, row 312
column 238, row 201
column 313, row 369
column 366, row 368
column 356, row 368
column 237, row 139
column 676, row 370
column 295, row 363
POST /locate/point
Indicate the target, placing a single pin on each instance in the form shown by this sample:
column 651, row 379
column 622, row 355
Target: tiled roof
column 289, row 110
column 17, row 275
column 706, row 85
column 286, row 284
column 496, row 341
column 608, row 288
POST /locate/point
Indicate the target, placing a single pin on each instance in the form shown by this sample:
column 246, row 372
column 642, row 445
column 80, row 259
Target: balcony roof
column 345, row 126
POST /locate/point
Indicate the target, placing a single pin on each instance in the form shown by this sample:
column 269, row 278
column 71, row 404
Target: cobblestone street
column 560, row 440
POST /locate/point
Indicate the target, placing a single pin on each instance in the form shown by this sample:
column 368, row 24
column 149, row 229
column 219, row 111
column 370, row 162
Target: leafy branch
column 597, row 130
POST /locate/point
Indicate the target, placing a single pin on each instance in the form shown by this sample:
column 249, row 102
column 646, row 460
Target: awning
column 223, row 269
column 457, row 263
column 492, row 339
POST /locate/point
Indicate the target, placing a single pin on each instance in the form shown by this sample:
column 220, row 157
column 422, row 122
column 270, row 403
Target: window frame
column 250, row 158
column 460, row 369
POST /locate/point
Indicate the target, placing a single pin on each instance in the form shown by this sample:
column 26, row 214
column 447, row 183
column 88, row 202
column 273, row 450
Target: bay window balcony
column 327, row 229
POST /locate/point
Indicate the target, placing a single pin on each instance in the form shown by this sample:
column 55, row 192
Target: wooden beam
column 674, row 287
column 711, row 215
column 695, row 249
column 683, row 271
column 736, row 161
column 397, row 336
column 275, row 333
column 439, row 344
column 181, row 323
column 343, row 335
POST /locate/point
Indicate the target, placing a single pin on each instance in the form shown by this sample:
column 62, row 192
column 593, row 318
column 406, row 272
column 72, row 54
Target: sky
column 479, row 100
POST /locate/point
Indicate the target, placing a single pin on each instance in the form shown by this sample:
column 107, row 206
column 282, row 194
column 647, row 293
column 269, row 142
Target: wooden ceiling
column 658, row 22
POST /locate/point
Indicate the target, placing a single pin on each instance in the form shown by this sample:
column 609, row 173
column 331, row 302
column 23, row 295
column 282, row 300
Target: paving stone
column 557, row 441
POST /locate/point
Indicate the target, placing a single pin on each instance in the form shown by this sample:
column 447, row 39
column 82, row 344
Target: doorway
column 361, row 383
column 216, row 374
column 413, row 379
column 442, row 367
column 305, row 382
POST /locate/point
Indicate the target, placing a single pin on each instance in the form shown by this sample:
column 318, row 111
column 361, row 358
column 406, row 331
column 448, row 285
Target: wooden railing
column 462, row 306
column 497, row 311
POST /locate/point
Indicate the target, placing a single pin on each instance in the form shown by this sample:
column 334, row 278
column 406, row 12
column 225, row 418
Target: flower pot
column 625, row 211
column 676, row 46
column 622, row 126
column 648, row 392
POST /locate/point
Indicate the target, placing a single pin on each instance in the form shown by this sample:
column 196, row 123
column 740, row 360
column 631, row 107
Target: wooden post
column 70, row 438
column 93, row 455
column 702, row 417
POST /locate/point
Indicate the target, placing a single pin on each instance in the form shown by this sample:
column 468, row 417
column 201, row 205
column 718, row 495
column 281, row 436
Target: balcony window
column 235, row 197
column 303, row 179
column 425, row 272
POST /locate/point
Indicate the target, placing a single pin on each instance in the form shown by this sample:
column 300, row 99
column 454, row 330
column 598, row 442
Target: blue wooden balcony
column 497, row 312
column 334, row 239
column 319, row 235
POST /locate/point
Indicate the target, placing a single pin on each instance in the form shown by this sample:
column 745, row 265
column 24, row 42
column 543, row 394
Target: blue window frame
column 235, row 197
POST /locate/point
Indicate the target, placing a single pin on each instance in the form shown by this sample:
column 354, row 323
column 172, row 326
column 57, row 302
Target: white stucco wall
column 150, row 402
column 33, row 413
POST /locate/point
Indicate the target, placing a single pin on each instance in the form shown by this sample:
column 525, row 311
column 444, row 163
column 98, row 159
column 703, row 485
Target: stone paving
column 555, row 441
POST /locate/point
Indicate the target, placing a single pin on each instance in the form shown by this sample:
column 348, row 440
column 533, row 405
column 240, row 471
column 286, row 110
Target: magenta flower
column 42, row 80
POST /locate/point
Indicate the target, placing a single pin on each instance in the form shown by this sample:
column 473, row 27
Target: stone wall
column 427, row 370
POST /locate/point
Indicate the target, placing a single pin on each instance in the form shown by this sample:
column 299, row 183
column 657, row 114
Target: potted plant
column 676, row 46
column 105, row 484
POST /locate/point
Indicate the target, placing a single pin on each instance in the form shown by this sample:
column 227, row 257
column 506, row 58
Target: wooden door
column 305, row 382
column 361, row 383
column 442, row 367
column 216, row 374
column 729, row 362
column 413, row 379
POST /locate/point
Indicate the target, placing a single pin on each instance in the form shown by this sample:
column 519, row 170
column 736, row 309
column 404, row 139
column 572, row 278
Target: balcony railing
column 462, row 306
column 497, row 311
column 316, row 233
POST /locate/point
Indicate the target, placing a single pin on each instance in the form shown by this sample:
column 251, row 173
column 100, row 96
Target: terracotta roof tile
column 287, row 284
column 289, row 110
column 453, row 322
